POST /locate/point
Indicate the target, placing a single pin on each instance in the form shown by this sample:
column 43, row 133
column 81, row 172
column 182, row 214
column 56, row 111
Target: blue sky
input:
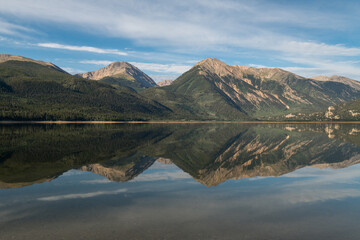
column 165, row 38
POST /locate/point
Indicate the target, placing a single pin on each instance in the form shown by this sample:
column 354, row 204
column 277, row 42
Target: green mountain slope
column 33, row 91
column 121, row 74
column 228, row 92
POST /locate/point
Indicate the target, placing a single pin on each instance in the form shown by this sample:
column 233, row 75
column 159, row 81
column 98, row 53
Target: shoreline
column 174, row 122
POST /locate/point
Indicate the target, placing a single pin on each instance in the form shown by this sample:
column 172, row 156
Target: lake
column 180, row 181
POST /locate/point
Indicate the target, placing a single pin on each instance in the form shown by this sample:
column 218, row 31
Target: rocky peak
column 215, row 66
column 120, row 69
column 165, row 83
column 112, row 69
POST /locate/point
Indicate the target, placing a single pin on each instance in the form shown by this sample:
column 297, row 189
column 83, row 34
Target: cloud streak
column 82, row 48
column 266, row 29
column 81, row 195
column 162, row 68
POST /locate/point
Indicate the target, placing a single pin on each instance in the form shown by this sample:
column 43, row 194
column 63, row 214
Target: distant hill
column 165, row 83
column 33, row 90
column 221, row 91
column 8, row 57
column 352, row 83
column 121, row 74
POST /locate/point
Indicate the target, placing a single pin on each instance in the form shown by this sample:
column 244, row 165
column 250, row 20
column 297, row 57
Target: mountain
column 33, row 90
column 164, row 83
column 121, row 74
column 8, row 57
column 352, row 83
column 222, row 91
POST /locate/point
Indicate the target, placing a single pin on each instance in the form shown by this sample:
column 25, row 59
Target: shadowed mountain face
column 210, row 153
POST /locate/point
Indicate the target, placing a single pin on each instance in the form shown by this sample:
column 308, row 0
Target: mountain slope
column 33, row 91
column 121, row 74
column 349, row 111
column 237, row 92
column 8, row 57
column 352, row 83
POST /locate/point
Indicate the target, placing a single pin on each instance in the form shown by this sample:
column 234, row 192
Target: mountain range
column 210, row 90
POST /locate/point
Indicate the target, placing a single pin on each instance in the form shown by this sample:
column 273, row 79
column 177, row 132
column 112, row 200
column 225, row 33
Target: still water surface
column 180, row 181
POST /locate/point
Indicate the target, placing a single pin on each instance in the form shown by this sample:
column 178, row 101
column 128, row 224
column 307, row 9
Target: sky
column 166, row 38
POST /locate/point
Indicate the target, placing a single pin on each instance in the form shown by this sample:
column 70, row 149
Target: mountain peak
column 121, row 70
column 120, row 65
column 210, row 62
column 214, row 65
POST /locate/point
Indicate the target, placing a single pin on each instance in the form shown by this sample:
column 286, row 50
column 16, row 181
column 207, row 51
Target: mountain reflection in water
column 209, row 153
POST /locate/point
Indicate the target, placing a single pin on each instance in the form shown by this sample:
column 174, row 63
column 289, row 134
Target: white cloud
column 162, row 68
column 82, row 48
column 96, row 181
column 72, row 70
column 81, row 195
column 153, row 67
column 97, row 62
column 284, row 31
column 158, row 78
column 162, row 175
column 13, row 29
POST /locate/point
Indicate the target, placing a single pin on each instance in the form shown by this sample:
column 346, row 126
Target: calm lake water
column 180, row 181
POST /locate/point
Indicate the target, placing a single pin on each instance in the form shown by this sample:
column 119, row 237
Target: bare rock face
column 352, row 83
column 164, row 161
column 121, row 70
column 117, row 173
column 164, row 83
column 8, row 57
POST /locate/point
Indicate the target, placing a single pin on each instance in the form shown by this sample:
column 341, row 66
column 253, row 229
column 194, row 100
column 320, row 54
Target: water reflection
column 152, row 181
column 210, row 153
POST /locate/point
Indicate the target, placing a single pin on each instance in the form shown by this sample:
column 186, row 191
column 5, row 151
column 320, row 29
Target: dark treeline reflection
column 210, row 153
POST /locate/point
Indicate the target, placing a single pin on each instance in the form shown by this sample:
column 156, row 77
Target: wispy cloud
column 72, row 70
column 96, row 181
column 14, row 29
column 162, row 68
column 97, row 62
column 162, row 175
column 82, row 48
column 267, row 29
column 81, row 195
column 153, row 67
column 159, row 78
